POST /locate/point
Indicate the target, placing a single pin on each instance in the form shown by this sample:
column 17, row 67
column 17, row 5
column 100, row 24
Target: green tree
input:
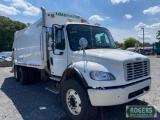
column 158, row 35
column 7, row 30
column 119, row 45
column 130, row 42
column 146, row 44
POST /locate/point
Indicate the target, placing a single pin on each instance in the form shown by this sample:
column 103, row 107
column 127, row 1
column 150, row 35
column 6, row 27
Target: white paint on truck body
column 27, row 46
column 107, row 60
column 61, row 18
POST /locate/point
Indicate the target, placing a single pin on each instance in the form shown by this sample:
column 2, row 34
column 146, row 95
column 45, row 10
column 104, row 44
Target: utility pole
column 143, row 38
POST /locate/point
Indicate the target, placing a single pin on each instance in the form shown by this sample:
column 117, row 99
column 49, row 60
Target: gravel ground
column 33, row 102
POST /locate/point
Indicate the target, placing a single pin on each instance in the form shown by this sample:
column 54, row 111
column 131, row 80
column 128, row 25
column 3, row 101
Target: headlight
column 99, row 75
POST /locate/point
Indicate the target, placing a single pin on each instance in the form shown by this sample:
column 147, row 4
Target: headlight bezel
column 109, row 76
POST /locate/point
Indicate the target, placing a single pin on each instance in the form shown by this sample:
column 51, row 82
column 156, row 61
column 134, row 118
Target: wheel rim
column 73, row 102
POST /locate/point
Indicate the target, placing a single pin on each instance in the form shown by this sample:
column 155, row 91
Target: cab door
column 58, row 55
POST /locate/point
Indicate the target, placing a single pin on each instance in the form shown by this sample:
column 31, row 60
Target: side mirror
column 52, row 32
column 83, row 42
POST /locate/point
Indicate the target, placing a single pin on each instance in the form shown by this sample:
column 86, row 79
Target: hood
column 111, row 60
column 110, row 54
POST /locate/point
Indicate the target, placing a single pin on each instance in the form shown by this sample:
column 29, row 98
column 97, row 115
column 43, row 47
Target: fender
column 73, row 72
column 78, row 68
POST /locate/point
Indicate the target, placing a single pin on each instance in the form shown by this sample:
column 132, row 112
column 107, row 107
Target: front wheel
column 76, row 102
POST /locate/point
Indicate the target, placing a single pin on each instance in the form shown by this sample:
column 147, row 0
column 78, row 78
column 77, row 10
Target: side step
column 55, row 78
column 54, row 88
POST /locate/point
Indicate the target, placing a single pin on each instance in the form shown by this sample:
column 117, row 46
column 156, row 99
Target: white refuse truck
column 82, row 58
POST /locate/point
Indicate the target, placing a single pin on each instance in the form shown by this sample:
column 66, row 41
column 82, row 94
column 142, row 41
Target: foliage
column 158, row 35
column 119, row 45
column 28, row 24
column 7, row 29
column 130, row 42
column 146, row 44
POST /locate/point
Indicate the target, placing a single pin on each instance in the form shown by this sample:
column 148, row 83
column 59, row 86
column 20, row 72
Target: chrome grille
column 137, row 70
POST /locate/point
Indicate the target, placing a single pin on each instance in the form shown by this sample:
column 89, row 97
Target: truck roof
column 83, row 23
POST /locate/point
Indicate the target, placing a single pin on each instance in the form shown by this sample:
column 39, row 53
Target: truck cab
column 104, row 68
column 110, row 76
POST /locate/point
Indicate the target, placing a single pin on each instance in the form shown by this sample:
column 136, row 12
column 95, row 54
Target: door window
column 60, row 41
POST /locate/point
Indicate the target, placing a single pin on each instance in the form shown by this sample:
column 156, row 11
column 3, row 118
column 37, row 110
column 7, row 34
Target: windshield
column 97, row 37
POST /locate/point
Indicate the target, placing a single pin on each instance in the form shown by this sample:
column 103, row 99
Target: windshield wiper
column 105, row 46
column 101, row 47
column 88, row 48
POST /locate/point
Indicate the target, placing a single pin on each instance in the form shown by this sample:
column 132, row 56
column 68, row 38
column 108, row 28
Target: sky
column 124, row 18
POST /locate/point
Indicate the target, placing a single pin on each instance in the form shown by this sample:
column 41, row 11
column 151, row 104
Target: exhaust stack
column 43, row 16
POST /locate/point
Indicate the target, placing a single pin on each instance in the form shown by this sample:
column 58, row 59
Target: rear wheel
column 30, row 75
column 22, row 75
column 76, row 102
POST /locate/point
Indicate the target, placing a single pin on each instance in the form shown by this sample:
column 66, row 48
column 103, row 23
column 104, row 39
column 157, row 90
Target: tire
column 16, row 73
column 22, row 74
column 30, row 75
column 76, row 102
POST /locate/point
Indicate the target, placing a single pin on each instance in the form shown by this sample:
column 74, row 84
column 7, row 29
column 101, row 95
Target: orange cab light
column 83, row 21
column 52, row 15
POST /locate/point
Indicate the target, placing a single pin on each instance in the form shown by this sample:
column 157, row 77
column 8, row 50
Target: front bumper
column 118, row 95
